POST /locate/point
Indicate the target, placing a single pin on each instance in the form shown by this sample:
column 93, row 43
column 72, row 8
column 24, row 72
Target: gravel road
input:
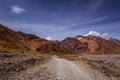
column 54, row 68
column 61, row 69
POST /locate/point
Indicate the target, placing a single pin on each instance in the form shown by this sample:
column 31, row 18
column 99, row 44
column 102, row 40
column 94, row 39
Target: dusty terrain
column 45, row 67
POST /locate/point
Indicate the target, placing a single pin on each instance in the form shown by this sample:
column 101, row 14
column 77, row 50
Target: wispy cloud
column 41, row 30
column 45, row 31
column 94, row 6
column 17, row 10
column 94, row 20
column 87, row 22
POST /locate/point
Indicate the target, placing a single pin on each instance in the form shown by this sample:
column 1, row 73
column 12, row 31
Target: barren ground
column 45, row 67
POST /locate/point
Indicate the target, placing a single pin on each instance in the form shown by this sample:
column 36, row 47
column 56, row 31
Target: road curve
column 60, row 69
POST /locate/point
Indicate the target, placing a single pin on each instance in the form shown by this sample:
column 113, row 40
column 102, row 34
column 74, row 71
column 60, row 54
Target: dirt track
column 49, row 68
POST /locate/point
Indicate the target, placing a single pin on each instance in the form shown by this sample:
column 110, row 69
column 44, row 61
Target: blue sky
column 57, row 19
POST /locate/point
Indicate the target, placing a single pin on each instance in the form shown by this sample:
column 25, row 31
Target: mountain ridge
column 92, row 45
column 16, row 41
column 13, row 41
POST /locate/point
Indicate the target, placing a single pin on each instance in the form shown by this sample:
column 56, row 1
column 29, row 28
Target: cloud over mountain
column 49, row 38
column 95, row 33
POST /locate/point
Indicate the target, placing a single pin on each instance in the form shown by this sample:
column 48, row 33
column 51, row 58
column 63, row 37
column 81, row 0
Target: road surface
column 61, row 69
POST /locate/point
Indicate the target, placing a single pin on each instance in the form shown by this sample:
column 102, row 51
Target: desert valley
column 28, row 57
column 59, row 39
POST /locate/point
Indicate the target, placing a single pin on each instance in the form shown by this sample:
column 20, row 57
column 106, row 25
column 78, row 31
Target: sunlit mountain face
column 57, row 19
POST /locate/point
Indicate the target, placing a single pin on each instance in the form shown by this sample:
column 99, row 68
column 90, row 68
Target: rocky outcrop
column 92, row 45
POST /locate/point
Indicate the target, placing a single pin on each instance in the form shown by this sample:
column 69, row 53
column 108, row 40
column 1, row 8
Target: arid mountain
column 73, row 44
column 12, row 41
column 92, row 45
column 114, row 41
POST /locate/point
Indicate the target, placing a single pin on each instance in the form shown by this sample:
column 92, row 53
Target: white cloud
column 17, row 10
column 49, row 38
column 105, row 35
column 38, row 35
column 95, row 33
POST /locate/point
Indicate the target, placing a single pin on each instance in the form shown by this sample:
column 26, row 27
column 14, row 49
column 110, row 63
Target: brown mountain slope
column 73, row 44
column 12, row 41
column 92, row 45
column 117, row 42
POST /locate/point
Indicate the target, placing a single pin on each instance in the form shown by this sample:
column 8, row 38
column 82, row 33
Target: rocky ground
column 45, row 67
column 12, row 64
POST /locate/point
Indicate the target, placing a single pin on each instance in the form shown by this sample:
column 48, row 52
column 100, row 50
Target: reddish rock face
column 92, row 45
column 74, row 45
column 115, row 41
